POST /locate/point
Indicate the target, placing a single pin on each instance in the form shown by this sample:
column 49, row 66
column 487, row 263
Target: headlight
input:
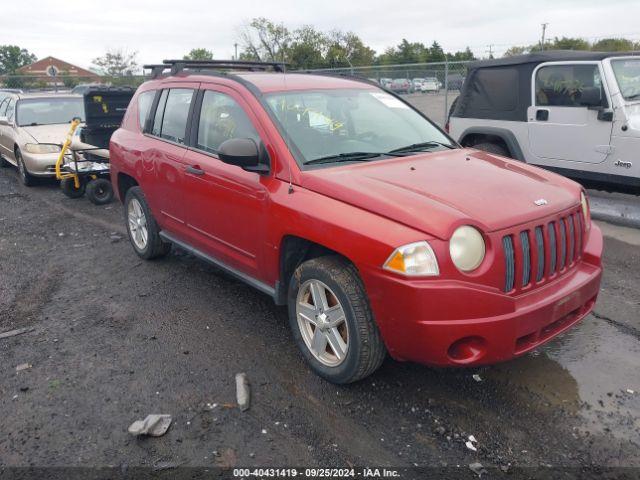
column 415, row 259
column 585, row 210
column 466, row 248
column 42, row 148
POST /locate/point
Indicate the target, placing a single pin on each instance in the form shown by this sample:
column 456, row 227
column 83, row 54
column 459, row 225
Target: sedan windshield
column 48, row 111
column 627, row 74
column 345, row 124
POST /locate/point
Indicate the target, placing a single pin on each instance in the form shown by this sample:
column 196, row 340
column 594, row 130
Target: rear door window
column 176, row 114
column 157, row 120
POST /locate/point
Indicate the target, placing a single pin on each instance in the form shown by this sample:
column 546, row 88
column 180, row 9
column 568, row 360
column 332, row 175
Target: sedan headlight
column 415, row 259
column 467, row 248
column 42, row 148
column 585, row 210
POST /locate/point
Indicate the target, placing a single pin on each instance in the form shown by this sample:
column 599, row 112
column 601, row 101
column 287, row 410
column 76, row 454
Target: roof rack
column 177, row 66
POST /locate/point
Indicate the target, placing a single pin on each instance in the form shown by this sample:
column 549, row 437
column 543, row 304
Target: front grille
column 539, row 252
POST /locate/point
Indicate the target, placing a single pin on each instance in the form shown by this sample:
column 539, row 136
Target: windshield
column 47, row 111
column 627, row 74
column 326, row 123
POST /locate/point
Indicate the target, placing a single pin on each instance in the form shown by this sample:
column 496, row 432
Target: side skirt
column 255, row 283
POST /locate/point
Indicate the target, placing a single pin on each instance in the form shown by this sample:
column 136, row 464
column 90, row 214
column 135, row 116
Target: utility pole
column 235, row 45
column 544, row 30
column 489, row 50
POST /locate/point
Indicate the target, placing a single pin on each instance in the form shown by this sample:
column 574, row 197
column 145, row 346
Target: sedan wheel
column 322, row 323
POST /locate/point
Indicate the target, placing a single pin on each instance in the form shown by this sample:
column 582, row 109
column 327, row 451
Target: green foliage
column 117, row 63
column 614, row 45
column 13, row 57
column 69, row 81
column 199, row 54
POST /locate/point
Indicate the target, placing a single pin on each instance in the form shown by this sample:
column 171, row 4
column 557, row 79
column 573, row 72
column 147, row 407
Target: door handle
column 195, row 170
column 542, row 115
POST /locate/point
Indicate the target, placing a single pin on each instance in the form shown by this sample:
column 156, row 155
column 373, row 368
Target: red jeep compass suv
column 345, row 203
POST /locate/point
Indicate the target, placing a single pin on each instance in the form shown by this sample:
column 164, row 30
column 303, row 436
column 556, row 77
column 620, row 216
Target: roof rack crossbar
column 177, row 66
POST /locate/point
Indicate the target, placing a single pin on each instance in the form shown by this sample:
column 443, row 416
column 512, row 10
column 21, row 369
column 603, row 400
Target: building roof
column 548, row 56
column 48, row 65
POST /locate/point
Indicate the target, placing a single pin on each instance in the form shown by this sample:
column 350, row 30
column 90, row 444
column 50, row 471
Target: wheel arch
column 474, row 135
column 125, row 182
column 294, row 250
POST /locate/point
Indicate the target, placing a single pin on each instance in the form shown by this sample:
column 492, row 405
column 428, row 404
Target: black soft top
column 500, row 89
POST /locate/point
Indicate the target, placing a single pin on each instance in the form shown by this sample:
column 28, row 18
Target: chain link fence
column 63, row 83
column 430, row 87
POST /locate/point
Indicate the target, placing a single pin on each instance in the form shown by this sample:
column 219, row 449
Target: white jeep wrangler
column 577, row 113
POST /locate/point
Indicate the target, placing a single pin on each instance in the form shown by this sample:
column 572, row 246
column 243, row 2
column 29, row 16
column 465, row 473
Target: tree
column 117, row 63
column 308, row 48
column 347, row 49
column 568, row 43
column 13, row 57
column 613, row 45
column 69, row 81
column 199, row 54
column 263, row 40
column 513, row 51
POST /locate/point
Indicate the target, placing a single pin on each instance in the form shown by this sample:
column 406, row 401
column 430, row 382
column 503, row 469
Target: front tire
column 142, row 228
column 331, row 320
column 28, row 180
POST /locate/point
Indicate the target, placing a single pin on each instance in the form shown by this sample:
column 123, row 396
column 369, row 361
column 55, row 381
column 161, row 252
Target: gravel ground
column 115, row 338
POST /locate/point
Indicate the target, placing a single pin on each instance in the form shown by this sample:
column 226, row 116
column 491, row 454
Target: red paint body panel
column 365, row 211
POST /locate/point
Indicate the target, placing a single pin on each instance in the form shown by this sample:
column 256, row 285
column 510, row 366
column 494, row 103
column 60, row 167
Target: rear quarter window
column 496, row 89
column 145, row 100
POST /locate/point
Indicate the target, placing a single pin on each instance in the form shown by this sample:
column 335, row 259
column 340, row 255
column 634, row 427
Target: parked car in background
column 386, row 82
column 400, row 85
column 32, row 127
column 349, row 206
column 576, row 113
column 430, row 86
column 455, row 81
column 434, row 80
column 416, row 84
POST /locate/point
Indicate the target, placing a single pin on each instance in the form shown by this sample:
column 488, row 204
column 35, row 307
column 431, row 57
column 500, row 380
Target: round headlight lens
column 467, row 248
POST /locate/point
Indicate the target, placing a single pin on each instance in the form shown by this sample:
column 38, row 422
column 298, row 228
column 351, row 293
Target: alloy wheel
column 322, row 323
column 137, row 224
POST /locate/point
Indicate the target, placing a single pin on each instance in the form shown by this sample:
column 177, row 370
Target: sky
column 80, row 30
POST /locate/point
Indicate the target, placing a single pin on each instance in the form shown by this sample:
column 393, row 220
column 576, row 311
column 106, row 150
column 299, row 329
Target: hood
column 436, row 192
column 55, row 133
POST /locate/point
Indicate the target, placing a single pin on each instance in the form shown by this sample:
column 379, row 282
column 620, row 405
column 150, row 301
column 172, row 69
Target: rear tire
column 100, row 191
column 348, row 346
column 28, row 180
column 68, row 187
column 142, row 228
column 493, row 148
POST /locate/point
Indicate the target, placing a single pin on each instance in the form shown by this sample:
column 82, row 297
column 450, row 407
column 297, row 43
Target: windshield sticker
column 388, row 100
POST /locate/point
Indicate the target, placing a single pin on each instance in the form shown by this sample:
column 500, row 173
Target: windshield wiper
column 351, row 157
column 415, row 147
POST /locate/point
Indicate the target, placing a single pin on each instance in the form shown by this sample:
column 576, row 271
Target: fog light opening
column 467, row 349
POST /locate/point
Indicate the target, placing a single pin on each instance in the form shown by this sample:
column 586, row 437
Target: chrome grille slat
column 526, row 258
column 541, row 259
column 510, row 263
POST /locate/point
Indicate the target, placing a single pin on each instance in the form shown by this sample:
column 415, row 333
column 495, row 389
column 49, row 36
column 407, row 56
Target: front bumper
column 40, row 164
column 451, row 323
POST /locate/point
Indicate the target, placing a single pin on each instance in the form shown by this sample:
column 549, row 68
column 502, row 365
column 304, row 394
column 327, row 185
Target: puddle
column 587, row 370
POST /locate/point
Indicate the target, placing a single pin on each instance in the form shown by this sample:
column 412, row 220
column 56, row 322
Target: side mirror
column 4, row 121
column 591, row 97
column 242, row 152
